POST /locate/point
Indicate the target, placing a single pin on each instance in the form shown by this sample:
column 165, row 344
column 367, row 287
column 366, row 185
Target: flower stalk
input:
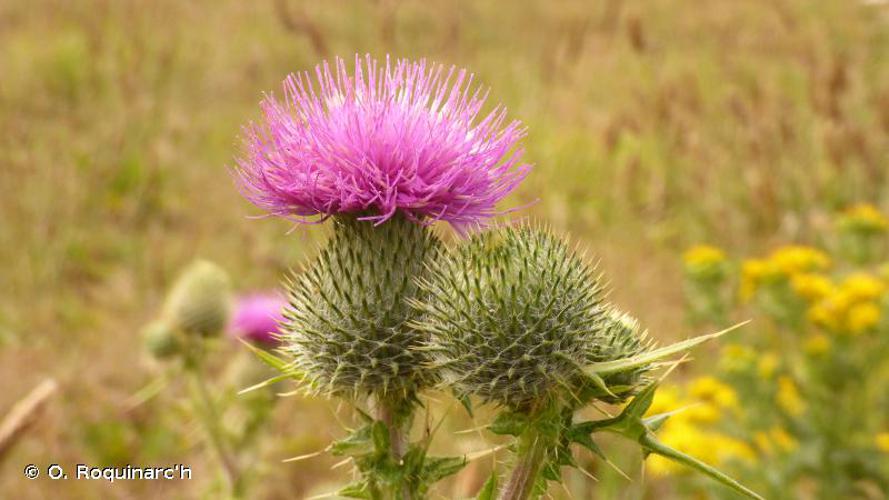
column 209, row 416
column 531, row 452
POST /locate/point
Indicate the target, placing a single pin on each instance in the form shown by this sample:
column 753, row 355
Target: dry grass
column 652, row 124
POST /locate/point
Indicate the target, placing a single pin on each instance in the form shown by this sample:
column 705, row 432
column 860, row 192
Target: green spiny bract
column 348, row 322
column 620, row 337
column 200, row 300
column 514, row 315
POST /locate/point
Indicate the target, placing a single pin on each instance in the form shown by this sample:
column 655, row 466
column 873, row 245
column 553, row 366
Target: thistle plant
column 516, row 318
column 197, row 309
column 384, row 150
column 384, row 312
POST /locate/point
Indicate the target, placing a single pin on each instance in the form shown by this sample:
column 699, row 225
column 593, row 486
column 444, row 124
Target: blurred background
column 653, row 125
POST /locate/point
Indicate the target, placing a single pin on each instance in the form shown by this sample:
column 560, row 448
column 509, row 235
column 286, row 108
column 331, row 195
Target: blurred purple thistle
column 400, row 137
column 257, row 317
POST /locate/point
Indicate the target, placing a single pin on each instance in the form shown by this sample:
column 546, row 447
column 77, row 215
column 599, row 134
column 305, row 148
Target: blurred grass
column 652, row 124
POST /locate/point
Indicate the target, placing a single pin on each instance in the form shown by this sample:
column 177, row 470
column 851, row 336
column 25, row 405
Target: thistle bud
column 514, row 315
column 348, row 322
column 161, row 340
column 200, row 300
column 621, row 337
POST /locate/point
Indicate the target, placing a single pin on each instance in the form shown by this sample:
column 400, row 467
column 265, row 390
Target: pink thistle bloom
column 403, row 137
column 257, row 318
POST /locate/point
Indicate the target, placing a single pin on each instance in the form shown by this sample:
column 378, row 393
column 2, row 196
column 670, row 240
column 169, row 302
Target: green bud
column 161, row 340
column 349, row 324
column 200, row 300
column 514, row 315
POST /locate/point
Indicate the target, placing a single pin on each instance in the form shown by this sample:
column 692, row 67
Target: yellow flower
column 753, row 273
column 736, row 357
column 767, row 365
column 783, row 439
column 794, row 259
column 863, row 317
column 774, row 439
column 789, row 397
column 811, row 286
column 711, row 390
column 703, row 255
column 702, row 413
column 763, row 442
column 817, row 344
column 864, row 217
column 862, row 286
column 882, row 441
column 730, row 449
column 666, row 399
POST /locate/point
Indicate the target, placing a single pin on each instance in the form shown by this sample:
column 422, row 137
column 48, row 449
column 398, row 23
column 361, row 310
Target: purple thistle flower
column 257, row 317
column 401, row 137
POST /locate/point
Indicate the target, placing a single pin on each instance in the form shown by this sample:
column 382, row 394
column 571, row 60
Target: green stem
column 531, row 452
column 209, row 417
column 397, row 425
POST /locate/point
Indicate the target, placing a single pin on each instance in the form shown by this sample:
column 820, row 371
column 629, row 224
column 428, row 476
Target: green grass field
column 652, row 125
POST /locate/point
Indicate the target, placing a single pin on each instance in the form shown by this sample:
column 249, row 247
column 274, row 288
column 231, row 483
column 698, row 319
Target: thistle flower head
column 395, row 137
column 514, row 315
column 348, row 322
column 257, row 317
column 200, row 300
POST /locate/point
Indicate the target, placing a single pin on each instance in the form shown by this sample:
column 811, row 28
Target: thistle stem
column 209, row 417
column 396, row 424
column 531, row 452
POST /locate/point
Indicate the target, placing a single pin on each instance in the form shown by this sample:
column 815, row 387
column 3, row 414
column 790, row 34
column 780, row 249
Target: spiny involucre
column 348, row 320
column 514, row 315
column 395, row 137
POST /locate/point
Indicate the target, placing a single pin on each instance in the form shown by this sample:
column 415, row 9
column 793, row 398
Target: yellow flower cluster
column 787, row 262
column 705, row 262
column 864, row 217
column 703, row 255
column 789, row 398
column 882, row 441
column 852, row 307
column 690, row 431
column 775, row 440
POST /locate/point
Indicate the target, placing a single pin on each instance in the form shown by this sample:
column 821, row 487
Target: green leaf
column 489, row 489
column 355, row 490
column 652, row 445
column 438, row 468
column 380, row 435
column 273, row 361
column 509, row 424
column 465, row 400
column 579, row 434
column 641, row 402
column 645, row 358
column 357, row 443
column 265, row 383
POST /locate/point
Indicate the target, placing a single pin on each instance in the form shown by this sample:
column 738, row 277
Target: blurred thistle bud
column 257, row 318
column 514, row 316
column 348, row 322
column 161, row 340
column 200, row 300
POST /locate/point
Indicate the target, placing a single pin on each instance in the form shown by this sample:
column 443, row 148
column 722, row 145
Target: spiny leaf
column 509, row 424
column 609, row 367
column 437, row 468
column 272, row 360
column 652, row 445
column 355, row 490
column 489, row 489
